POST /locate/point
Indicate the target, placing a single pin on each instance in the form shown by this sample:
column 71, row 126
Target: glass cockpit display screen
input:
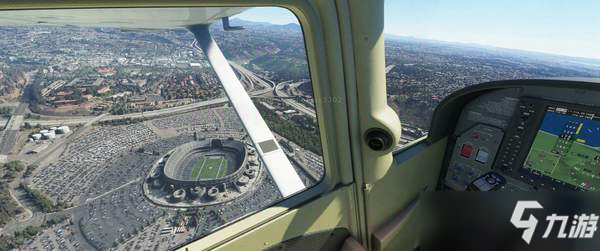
column 566, row 148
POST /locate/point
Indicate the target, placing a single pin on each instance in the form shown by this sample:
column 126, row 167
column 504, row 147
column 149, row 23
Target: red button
column 466, row 150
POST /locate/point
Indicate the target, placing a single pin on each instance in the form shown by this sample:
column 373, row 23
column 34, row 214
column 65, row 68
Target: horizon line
column 490, row 46
column 464, row 43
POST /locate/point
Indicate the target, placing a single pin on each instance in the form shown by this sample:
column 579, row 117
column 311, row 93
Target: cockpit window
column 434, row 48
column 131, row 129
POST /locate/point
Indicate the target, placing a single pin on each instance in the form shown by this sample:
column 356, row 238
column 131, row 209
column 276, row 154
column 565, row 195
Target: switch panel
column 473, row 155
column 466, row 150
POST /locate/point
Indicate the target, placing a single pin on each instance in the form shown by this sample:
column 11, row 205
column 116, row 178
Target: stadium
column 201, row 173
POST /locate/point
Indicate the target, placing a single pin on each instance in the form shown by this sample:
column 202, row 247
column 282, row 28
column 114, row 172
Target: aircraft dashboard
column 522, row 136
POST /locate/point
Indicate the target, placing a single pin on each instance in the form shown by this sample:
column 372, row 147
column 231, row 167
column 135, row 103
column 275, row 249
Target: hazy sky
column 268, row 14
column 564, row 27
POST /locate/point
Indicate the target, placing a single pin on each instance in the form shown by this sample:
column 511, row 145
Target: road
column 28, row 212
column 88, row 200
column 148, row 114
column 8, row 137
column 389, row 68
column 251, row 75
column 286, row 98
column 291, row 102
column 271, row 86
column 12, row 129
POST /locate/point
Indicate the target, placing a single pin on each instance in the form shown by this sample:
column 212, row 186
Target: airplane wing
column 197, row 21
column 140, row 18
column 282, row 171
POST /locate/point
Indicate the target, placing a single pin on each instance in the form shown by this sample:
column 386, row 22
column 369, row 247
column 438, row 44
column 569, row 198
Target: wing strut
column 285, row 176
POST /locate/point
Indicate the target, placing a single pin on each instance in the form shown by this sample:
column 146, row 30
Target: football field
column 210, row 167
column 577, row 166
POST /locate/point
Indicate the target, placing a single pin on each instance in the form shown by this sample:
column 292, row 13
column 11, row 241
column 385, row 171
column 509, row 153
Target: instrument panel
column 535, row 137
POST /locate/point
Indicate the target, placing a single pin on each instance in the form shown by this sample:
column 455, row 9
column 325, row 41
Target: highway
column 293, row 103
column 286, row 98
column 12, row 128
column 269, row 86
column 61, row 120
column 148, row 114
column 251, row 75
column 9, row 134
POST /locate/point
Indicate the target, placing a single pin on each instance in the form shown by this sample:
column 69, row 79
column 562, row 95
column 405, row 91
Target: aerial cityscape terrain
column 125, row 140
column 420, row 73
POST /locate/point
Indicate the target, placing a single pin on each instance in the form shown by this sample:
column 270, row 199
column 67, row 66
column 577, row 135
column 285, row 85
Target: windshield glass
column 143, row 129
column 434, row 48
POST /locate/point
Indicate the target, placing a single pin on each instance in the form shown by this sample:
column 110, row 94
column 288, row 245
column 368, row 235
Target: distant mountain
column 506, row 51
column 246, row 23
column 238, row 21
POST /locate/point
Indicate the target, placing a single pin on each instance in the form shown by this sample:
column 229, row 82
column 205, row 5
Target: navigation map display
column 566, row 148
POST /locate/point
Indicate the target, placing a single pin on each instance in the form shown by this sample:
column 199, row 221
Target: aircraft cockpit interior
column 521, row 135
column 284, row 125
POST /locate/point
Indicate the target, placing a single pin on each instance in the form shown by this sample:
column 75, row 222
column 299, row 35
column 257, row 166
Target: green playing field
column 577, row 166
column 210, row 167
column 540, row 156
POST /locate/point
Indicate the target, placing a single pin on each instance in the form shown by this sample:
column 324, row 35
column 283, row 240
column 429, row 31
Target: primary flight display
column 566, row 148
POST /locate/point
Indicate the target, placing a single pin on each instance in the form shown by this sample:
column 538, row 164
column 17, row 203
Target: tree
column 9, row 175
column 41, row 201
column 31, row 231
column 15, row 165
column 51, row 222
column 29, row 170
